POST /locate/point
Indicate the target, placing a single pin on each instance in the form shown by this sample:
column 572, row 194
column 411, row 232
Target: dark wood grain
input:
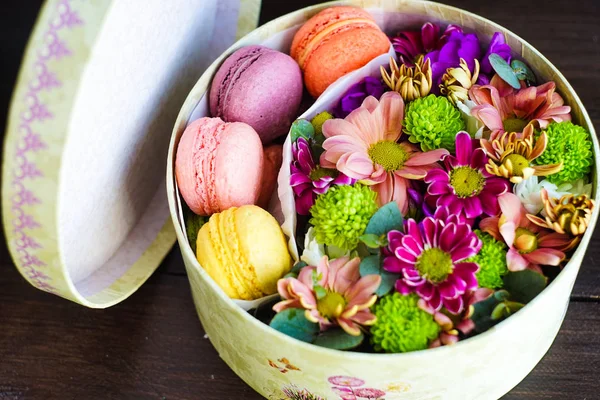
column 152, row 345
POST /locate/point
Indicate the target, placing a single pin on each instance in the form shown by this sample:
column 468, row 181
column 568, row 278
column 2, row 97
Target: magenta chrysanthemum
column 309, row 179
column 464, row 186
column 428, row 257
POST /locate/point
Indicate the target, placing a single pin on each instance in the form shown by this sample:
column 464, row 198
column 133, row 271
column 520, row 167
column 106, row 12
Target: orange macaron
column 334, row 42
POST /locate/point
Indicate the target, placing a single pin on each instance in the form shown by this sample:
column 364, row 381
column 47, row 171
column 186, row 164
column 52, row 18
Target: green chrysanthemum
column 318, row 121
column 491, row 260
column 193, row 223
column 401, row 325
column 341, row 215
column 570, row 144
column 432, row 122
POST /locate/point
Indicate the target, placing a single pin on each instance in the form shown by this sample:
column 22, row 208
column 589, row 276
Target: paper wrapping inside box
column 83, row 179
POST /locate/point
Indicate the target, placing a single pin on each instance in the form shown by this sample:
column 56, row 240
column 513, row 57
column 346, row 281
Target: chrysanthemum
column 402, row 325
column 529, row 246
column 491, row 260
column 433, row 122
column 465, row 185
column 570, row 145
column 504, row 109
column 428, row 256
column 568, row 214
column 411, row 44
column 341, row 215
column 529, row 192
column 511, row 155
column 364, row 146
column 308, row 179
column 344, row 298
column 450, row 325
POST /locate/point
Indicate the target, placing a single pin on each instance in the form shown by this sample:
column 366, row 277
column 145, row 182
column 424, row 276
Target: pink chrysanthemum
column 428, row 257
column 530, row 246
column 345, row 300
column 308, row 179
column 464, row 186
column 364, row 146
column 503, row 109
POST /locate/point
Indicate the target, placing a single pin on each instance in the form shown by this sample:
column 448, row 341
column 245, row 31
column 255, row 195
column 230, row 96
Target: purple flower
column 459, row 45
column 497, row 46
column 308, row 179
column 464, row 186
column 354, row 97
column 429, row 258
column 410, row 44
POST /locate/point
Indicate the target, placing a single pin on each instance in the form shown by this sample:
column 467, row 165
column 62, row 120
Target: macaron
column 218, row 165
column 334, row 42
column 273, row 158
column 259, row 86
column 244, row 251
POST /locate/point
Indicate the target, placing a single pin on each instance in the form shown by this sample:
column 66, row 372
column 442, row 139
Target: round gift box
column 483, row 367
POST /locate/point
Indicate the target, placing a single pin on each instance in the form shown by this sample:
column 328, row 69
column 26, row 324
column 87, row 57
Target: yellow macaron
column 244, row 251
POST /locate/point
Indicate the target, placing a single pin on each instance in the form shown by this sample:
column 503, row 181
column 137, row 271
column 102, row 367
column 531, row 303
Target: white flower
column 314, row 251
column 529, row 192
column 473, row 125
column 577, row 188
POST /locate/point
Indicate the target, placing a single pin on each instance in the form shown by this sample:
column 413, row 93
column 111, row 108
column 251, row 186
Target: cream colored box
column 481, row 368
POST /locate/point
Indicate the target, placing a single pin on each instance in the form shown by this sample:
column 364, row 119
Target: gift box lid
column 83, row 184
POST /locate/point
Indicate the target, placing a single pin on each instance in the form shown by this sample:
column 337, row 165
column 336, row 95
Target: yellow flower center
column 434, row 265
column 525, row 241
column 514, row 125
column 390, row 155
column 466, row 181
column 518, row 162
column 319, row 173
column 332, row 305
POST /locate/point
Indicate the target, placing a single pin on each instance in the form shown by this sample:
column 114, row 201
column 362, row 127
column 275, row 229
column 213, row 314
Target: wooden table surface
column 152, row 346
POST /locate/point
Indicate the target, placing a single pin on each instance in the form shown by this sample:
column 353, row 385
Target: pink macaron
column 218, row 165
column 259, row 86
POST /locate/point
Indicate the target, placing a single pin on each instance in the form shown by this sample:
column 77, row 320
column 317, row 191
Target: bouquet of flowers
column 433, row 200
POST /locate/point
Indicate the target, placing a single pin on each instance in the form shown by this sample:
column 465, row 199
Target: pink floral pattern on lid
column 30, row 141
column 349, row 388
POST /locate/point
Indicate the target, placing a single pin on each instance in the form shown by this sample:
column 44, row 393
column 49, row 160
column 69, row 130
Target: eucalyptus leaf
column 504, row 70
column 523, row 72
column 338, row 339
column 524, row 285
column 371, row 265
column 302, row 128
column 296, row 269
column 386, row 219
column 482, row 313
column 292, row 322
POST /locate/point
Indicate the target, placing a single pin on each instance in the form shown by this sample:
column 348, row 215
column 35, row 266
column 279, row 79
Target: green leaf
column 504, row 70
column 523, row 72
column 302, row 128
column 338, row 339
column 320, row 291
column 292, row 322
column 373, row 241
column 524, row 285
column 371, row 265
column 193, row 223
column 482, row 314
column 499, row 312
column 296, row 269
column 386, row 219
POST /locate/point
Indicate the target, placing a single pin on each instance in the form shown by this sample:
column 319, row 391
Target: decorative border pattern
column 29, row 142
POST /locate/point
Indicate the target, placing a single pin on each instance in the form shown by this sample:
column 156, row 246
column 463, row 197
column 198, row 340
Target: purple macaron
column 259, row 86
